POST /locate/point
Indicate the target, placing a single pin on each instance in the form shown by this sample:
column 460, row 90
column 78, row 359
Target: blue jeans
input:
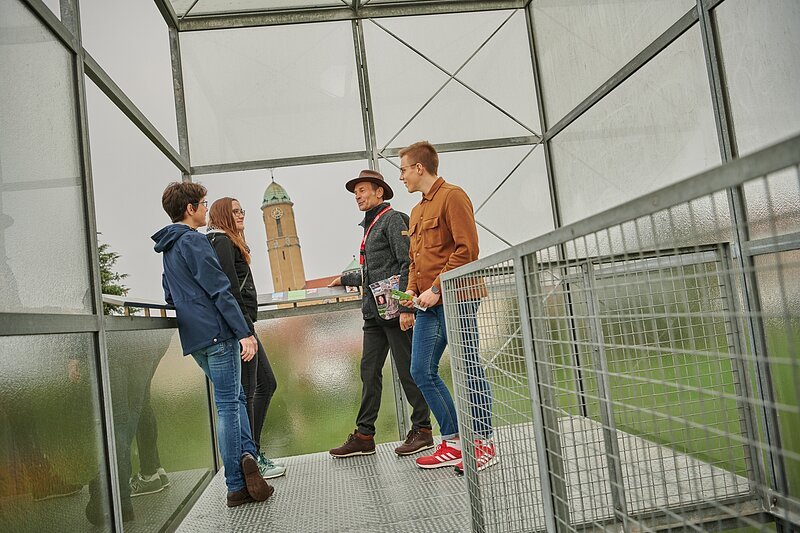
column 429, row 342
column 222, row 364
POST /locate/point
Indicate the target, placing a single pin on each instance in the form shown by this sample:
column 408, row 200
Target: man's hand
column 408, row 303
column 336, row 283
column 428, row 299
column 406, row 321
column 249, row 347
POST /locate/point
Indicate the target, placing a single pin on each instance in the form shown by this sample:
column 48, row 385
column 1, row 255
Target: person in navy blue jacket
column 213, row 330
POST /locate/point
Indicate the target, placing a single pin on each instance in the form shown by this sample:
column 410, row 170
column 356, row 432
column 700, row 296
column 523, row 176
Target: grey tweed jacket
column 386, row 254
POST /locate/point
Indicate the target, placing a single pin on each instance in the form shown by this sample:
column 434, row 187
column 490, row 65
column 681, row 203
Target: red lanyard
column 366, row 234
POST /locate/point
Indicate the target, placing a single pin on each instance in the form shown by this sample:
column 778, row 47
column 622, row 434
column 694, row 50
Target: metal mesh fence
column 641, row 366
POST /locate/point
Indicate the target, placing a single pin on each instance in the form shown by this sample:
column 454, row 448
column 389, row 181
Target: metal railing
column 642, row 364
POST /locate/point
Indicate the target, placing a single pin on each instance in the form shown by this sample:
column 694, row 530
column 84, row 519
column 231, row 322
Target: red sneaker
column 485, row 456
column 445, row 455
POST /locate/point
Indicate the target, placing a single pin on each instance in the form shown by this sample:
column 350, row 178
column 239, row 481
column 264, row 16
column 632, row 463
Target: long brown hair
column 220, row 217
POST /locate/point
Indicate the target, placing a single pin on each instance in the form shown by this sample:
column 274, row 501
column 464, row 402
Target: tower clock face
column 277, row 213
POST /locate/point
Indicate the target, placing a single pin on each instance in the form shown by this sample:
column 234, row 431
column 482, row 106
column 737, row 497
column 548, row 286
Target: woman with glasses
column 226, row 234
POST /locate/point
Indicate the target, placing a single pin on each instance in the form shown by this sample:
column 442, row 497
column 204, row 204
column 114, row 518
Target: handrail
column 274, row 305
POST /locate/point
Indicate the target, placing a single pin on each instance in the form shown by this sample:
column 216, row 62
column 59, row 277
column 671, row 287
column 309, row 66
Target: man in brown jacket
column 443, row 236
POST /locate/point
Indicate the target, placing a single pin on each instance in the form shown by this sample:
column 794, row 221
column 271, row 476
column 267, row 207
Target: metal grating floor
column 386, row 493
column 381, row 492
column 658, row 479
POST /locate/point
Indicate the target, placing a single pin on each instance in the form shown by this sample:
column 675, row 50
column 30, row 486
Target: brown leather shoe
column 356, row 444
column 259, row 489
column 239, row 497
column 417, row 440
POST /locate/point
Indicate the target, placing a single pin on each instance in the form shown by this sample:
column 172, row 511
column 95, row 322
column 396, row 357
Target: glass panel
column 582, row 44
column 654, row 129
column 773, row 204
column 51, row 446
column 316, row 361
column 129, row 39
column 128, row 172
column 402, row 81
column 205, row 7
column 301, row 98
column 325, row 214
column 39, row 172
column 161, row 424
column 780, row 302
column 759, row 46
column 705, row 220
column 520, row 210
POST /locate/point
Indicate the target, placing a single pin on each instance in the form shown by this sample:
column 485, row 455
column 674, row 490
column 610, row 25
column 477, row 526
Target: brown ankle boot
column 356, row 444
column 237, row 498
column 257, row 487
column 418, row 439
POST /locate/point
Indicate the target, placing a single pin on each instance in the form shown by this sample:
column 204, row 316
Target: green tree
column 110, row 279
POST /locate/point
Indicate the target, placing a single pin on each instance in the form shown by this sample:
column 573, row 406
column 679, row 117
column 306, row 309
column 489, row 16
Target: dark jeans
column 379, row 336
column 259, row 385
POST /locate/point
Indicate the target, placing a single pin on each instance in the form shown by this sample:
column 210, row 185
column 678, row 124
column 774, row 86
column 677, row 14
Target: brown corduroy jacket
column 443, row 235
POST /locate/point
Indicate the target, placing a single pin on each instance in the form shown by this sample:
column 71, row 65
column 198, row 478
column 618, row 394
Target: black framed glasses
column 204, row 203
column 238, row 212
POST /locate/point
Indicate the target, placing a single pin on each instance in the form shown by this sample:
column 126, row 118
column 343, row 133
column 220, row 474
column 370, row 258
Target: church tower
column 285, row 257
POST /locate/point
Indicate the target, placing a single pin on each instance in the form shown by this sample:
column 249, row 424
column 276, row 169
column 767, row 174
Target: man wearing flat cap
column 383, row 255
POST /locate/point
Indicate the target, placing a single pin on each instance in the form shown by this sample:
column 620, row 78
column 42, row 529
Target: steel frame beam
column 465, row 146
column 344, row 13
column 106, row 84
column 167, row 12
column 277, row 163
column 641, row 59
column 121, row 100
column 12, row 324
column 367, row 115
column 772, row 245
column 180, row 99
column 774, row 467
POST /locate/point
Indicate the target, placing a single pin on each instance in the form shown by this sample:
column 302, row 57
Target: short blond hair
column 424, row 153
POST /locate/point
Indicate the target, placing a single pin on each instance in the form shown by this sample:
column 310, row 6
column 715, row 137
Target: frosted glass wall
column 51, row 448
column 761, row 57
column 265, row 93
column 161, row 422
column 41, row 197
column 582, row 44
column 130, row 41
column 410, row 63
column 654, row 129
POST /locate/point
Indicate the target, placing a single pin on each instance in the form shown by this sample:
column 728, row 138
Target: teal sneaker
column 268, row 468
column 141, row 486
column 162, row 475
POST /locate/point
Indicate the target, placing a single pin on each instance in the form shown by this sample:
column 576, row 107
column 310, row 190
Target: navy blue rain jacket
column 198, row 288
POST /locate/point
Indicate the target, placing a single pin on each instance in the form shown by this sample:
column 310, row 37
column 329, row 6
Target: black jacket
column 238, row 271
column 386, row 254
